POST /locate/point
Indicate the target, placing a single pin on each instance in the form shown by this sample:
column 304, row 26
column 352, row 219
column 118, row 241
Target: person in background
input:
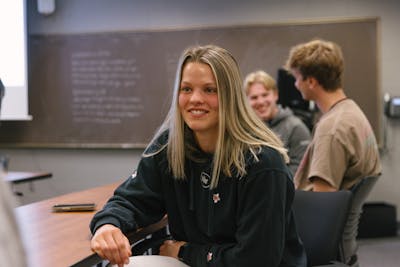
column 2, row 92
column 262, row 93
column 12, row 251
column 218, row 173
column 343, row 149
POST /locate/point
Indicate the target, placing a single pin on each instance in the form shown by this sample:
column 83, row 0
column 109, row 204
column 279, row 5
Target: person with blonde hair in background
column 218, row 173
column 263, row 95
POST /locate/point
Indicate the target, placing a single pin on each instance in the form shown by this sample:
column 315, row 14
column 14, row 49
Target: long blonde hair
column 240, row 130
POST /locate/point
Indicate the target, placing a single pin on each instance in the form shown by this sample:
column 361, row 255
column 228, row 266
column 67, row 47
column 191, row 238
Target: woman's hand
column 111, row 244
column 171, row 248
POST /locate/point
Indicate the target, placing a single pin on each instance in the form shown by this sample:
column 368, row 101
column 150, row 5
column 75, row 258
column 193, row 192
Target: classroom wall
column 76, row 169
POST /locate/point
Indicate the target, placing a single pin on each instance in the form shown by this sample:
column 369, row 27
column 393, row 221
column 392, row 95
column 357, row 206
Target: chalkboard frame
column 53, row 61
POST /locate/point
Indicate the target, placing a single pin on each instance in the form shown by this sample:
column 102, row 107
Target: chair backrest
column 320, row 218
column 360, row 192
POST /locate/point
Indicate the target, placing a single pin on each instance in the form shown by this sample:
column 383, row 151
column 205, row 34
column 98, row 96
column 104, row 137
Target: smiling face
column 263, row 101
column 198, row 100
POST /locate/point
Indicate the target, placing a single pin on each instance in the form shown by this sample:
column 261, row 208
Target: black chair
column 320, row 218
column 348, row 244
column 150, row 239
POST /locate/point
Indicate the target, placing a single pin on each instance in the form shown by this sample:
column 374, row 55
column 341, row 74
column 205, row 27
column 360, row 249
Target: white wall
column 79, row 169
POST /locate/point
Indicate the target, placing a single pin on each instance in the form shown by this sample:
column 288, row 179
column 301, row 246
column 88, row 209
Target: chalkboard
column 113, row 89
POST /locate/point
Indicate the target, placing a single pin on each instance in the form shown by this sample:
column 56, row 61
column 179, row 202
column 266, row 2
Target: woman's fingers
column 111, row 244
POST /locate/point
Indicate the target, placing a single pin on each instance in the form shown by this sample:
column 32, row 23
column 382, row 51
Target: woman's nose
column 197, row 96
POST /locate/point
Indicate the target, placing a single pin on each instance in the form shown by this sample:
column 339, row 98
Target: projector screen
column 13, row 60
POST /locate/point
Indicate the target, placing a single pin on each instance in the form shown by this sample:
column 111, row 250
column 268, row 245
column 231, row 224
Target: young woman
column 218, row 173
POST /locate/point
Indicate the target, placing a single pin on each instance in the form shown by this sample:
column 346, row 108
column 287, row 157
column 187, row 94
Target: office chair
column 348, row 244
column 147, row 240
column 320, row 219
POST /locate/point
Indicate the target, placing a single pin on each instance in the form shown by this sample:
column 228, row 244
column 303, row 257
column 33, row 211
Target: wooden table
column 60, row 239
column 23, row 177
column 63, row 239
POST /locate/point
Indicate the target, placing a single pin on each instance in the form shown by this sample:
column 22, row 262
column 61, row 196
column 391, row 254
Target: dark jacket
column 244, row 222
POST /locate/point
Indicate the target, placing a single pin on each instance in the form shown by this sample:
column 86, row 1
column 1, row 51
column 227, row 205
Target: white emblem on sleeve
column 209, row 256
column 133, row 175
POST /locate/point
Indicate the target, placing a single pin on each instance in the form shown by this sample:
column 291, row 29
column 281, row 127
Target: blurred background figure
column 262, row 93
column 2, row 92
column 12, row 252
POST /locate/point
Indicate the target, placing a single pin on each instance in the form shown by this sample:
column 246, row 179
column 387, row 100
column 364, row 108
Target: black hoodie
column 244, row 221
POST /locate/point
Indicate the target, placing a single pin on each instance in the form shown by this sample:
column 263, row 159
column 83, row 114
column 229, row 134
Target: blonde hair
column 320, row 59
column 260, row 77
column 240, row 130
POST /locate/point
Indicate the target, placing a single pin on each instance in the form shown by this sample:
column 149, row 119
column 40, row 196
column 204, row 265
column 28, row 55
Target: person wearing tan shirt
column 343, row 148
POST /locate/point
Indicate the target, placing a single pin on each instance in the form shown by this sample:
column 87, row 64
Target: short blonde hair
column 261, row 77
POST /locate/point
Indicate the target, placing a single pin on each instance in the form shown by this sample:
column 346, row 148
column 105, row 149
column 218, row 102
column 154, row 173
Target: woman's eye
column 211, row 90
column 185, row 89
